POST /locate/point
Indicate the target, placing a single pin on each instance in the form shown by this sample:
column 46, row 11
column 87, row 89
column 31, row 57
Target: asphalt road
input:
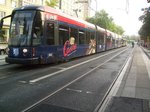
column 75, row 86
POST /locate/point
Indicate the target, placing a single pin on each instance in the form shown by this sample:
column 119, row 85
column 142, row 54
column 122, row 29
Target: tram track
column 70, row 67
column 28, row 109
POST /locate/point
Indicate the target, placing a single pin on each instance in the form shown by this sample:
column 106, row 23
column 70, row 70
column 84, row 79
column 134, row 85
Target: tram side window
column 88, row 37
column 92, row 35
column 81, row 37
column 113, row 40
column 50, row 33
column 100, row 38
column 63, row 34
column 37, row 28
column 73, row 34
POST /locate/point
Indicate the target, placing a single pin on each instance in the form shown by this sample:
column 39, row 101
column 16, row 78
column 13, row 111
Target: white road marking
column 147, row 62
column 23, row 82
column 3, row 77
column 60, row 71
column 75, row 90
column 89, row 92
column 58, row 68
column 79, row 91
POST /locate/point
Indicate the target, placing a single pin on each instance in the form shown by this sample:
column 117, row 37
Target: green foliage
column 103, row 20
column 52, row 3
column 145, row 29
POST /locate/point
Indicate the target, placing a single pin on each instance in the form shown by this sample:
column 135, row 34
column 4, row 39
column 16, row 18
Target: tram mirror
column 1, row 24
column 2, row 21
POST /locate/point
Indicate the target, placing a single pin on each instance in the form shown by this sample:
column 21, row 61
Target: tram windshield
column 21, row 28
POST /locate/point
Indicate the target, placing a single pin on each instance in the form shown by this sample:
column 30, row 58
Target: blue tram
column 41, row 35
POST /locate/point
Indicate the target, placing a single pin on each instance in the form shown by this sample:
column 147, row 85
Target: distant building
column 76, row 8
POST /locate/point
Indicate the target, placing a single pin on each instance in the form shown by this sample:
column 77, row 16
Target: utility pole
column 60, row 2
column 96, row 4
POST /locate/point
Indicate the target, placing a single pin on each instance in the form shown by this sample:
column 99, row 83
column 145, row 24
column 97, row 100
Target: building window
column 2, row 14
column 14, row 4
column 41, row 2
column 2, row 1
column 25, row 3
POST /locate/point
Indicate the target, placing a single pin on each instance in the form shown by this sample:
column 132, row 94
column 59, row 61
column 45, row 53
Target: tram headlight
column 25, row 50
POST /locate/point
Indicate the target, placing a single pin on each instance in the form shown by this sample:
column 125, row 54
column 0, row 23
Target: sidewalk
column 133, row 94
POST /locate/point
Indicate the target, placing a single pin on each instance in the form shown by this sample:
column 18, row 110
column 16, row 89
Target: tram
column 42, row 35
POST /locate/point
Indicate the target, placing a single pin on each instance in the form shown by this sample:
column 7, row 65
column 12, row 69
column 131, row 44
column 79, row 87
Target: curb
column 147, row 52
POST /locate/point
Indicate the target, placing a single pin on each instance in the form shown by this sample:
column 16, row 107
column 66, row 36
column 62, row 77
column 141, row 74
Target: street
column 78, row 85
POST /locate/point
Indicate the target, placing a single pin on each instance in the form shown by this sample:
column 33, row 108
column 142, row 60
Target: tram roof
column 60, row 15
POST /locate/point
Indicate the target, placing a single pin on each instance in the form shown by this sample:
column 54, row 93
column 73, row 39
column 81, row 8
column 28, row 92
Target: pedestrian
column 132, row 44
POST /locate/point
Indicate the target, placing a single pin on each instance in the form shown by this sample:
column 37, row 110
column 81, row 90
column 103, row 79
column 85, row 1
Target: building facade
column 6, row 7
column 76, row 8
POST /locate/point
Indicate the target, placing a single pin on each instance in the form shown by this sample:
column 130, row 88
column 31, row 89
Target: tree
column 103, row 20
column 119, row 30
column 145, row 29
column 52, row 3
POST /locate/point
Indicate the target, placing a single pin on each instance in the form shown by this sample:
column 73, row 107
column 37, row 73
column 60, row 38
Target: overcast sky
column 128, row 19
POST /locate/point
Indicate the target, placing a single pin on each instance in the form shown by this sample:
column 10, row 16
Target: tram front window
column 37, row 30
column 21, row 28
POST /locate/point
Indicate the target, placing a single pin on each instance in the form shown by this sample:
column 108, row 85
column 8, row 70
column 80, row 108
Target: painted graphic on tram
column 69, row 47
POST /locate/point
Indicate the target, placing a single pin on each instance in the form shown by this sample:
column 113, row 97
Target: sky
column 128, row 20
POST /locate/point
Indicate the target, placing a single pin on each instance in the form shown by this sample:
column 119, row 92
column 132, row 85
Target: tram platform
column 133, row 94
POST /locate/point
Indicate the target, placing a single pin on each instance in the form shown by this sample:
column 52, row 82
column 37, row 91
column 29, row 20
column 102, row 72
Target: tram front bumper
column 22, row 60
